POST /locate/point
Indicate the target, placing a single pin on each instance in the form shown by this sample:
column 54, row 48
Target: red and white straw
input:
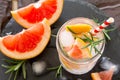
column 103, row 25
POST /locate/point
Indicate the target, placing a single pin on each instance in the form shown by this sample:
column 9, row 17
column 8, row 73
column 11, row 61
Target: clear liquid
column 82, row 66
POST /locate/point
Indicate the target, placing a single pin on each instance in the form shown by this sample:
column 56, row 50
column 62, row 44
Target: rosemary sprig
column 53, row 35
column 59, row 70
column 14, row 67
column 92, row 43
column 105, row 31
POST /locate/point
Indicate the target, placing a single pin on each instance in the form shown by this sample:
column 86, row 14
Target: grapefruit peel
column 25, row 10
column 103, row 75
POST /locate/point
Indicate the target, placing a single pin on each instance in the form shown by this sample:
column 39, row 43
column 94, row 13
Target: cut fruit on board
column 28, row 43
column 36, row 12
column 78, row 52
column 103, row 75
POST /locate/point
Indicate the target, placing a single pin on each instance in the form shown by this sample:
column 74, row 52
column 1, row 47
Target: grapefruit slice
column 78, row 28
column 28, row 43
column 36, row 12
column 103, row 75
column 78, row 52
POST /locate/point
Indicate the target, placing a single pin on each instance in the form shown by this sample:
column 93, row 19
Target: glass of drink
column 78, row 49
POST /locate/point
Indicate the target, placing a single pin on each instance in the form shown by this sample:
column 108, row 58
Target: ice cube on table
column 39, row 67
column 66, row 38
column 107, row 64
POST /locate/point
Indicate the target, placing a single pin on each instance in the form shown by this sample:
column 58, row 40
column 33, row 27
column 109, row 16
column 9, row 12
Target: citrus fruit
column 103, row 75
column 78, row 28
column 28, row 43
column 36, row 12
column 78, row 51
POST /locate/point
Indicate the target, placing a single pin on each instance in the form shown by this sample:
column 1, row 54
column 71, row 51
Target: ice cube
column 39, row 67
column 107, row 64
column 66, row 38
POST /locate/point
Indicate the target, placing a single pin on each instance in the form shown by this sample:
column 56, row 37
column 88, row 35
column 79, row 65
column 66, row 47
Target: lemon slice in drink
column 78, row 28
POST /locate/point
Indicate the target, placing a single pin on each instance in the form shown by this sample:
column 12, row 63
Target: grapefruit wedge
column 78, row 52
column 103, row 75
column 36, row 12
column 28, row 43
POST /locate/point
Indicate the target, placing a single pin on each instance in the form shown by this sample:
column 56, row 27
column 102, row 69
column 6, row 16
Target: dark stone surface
column 72, row 8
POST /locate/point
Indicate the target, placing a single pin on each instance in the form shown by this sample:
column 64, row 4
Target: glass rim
column 77, row 60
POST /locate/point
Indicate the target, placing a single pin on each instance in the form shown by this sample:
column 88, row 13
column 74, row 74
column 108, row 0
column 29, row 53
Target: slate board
column 72, row 8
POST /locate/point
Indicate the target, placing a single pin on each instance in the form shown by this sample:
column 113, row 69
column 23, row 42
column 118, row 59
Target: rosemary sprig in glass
column 106, row 31
column 92, row 43
column 13, row 68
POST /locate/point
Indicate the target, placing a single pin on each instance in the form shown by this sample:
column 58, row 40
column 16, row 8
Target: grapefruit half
column 28, row 43
column 36, row 12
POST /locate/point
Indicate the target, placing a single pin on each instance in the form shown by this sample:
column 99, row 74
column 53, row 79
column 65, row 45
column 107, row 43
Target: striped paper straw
column 103, row 25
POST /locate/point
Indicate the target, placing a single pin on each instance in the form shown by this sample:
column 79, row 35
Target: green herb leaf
column 92, row 44
column 107, row 36
column 70, row 30
column 59, row 70
column 18, row 65
column 10, row 76
column 16, row 73
column 53, row 68
column 106, row 31
column 95, row 20
column 53, row 35
column 10, row 70
column 24, row 71
column 14, row 67
column 11, row 61
column 86, row 46
column 5, row 66
column 98, row 41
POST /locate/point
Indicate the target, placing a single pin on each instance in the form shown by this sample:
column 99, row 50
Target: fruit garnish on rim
column 78, row 28
column 35, row 12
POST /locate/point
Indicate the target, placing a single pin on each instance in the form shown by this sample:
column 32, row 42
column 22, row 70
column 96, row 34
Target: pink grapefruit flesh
column 27, row 43
column 36, row 12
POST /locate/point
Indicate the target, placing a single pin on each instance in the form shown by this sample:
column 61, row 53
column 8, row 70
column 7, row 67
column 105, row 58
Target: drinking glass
column 80, row 66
